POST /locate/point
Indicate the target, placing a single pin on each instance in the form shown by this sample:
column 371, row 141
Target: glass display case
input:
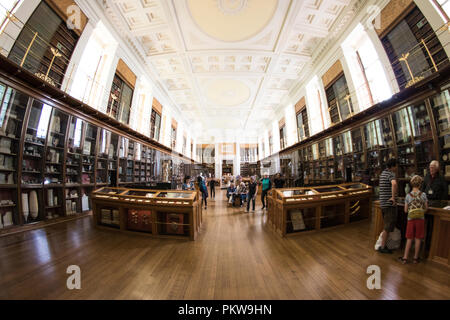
column 88, row 155
column 54, row 164
column 295, row 210
column 130, row 162
column 55, row 146
column 359, row 154
column 74, row 152
column 34, row 145
column 372, row 132
column 338, row 158
column 123, row 159
column 12, row 114
column 154, row 212
column 109, row 150
column 440, row 105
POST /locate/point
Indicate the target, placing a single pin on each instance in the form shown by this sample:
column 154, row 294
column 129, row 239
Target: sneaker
column 384, row 250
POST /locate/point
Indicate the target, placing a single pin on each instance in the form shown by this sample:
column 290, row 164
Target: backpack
column 416, row 208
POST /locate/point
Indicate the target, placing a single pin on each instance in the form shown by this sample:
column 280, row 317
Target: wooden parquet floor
column 236, row 256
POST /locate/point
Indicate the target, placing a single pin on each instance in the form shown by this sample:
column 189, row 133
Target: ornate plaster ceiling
column 228, row 64
column 232, row 20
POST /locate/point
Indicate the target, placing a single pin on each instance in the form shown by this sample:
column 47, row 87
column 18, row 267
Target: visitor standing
column 434, row 185
column 212, row 188
column 252, row 192
column 388, row 203
column 416, row 204
column 203, row 190
column 266, row 186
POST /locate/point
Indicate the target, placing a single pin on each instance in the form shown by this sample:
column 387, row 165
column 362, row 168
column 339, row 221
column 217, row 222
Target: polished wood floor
column 235, row 257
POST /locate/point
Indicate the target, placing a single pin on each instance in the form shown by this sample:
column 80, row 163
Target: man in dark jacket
column 434, row 185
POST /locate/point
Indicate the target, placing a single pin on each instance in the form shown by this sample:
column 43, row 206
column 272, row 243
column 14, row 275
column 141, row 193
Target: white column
column 291, row 125
column 237, row 160
column 351, row 86
column 436, row 22
column 218, row 162
column 75, row 60
column 108, row 84
column 383, row 58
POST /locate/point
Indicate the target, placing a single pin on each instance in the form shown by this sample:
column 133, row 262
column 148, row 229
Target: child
column 416, row 204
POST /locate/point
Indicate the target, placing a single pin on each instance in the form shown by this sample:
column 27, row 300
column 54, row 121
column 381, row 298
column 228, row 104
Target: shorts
column 415, row 229
column 390, row 218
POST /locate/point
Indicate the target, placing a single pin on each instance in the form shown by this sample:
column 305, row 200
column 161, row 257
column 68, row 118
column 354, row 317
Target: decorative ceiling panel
column 228, row 64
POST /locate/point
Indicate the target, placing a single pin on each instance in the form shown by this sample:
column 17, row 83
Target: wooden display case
column 296, row 210
column 159, row 213
column 437, row 229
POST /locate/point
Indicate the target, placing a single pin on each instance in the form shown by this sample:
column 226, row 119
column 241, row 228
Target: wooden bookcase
column 412, row 127
column 55, row 152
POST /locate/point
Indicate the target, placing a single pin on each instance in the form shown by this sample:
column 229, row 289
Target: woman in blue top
column 266, row 186
column 203, row 190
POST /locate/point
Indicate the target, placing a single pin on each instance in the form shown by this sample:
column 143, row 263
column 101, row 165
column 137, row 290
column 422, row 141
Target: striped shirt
column 386, row 188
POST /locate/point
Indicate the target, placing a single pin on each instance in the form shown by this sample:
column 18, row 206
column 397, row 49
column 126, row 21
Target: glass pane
column 55, row 148
column 420, row 121
column 401, row 120
column 125, row 104
column 440, row 104
column 386, row 138
column 12, row 114
column 174, row 195
column 370, row 135
column 347, row 139
column 35, row 137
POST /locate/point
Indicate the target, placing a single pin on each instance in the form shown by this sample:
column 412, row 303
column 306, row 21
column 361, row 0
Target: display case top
column 321, row 193
column 142, row 196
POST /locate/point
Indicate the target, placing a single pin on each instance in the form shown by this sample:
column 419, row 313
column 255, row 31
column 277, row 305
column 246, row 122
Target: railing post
column 28, row 49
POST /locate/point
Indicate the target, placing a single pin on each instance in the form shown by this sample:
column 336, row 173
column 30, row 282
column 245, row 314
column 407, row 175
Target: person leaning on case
column 434, row 184
column 388, row 203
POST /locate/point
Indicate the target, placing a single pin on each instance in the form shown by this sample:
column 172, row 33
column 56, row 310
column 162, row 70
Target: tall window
column 270, row 145
column 414, row 49
column 443, row 7
column 155, row 125
column 367, row 72
column 184, row 145
column 339, row 101
column 283, row 137
column 302, row 124
column 119, row 104
column 192, row 149
column 173, row 138
column 45, row 45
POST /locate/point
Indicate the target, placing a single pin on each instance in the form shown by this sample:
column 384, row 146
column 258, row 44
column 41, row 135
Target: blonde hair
column 416, row 181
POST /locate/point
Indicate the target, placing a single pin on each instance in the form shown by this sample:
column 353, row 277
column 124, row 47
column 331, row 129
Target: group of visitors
column 248, row 192
column 433, row 187
column 188, row 184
